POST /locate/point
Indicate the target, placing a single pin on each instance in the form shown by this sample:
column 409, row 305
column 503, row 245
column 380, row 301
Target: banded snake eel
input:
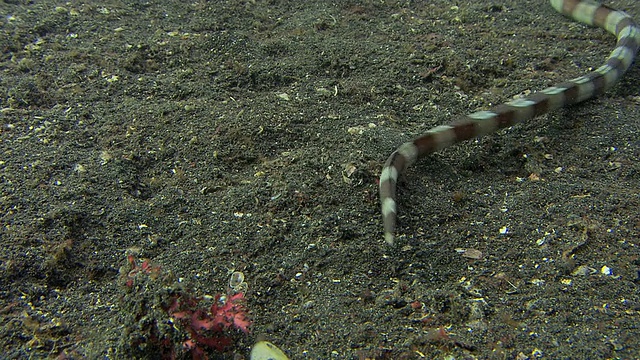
column 508, row 114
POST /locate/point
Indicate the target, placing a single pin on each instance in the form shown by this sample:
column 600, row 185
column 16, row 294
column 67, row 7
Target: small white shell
column 264, row 350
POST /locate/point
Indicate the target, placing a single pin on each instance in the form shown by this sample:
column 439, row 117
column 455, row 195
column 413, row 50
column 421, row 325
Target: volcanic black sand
column 221, row 136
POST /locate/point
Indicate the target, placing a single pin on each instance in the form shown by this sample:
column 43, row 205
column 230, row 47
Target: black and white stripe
column 505, row 115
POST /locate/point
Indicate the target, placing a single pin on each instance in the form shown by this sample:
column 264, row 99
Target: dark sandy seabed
column 221, row 136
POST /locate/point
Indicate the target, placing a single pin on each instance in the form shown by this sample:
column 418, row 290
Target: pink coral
column 199, row 329
column 209, row 328
column 144, row 268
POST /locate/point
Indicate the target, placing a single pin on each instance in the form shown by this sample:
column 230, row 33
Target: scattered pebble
column 606, row 271
column 284, row 96
column 538, row 282
column 583, row 270
column 470, row 253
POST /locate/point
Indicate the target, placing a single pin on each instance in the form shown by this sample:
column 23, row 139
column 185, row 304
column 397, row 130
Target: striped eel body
column 521, row 109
